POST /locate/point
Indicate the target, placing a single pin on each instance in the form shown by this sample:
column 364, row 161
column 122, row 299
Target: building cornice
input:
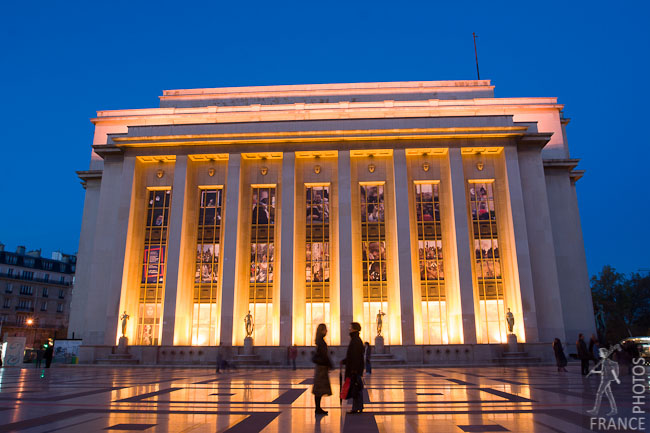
column 344, row 87
column 104, row 150
column 326, row 111
column 318, row 136
column 539, row 139
column 576, row 175
column 87, row 175
column 324, row 90
column 568, row 164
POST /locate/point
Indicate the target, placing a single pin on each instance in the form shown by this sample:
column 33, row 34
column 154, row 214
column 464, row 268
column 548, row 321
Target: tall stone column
column 404, row 245
column 94, row 316
column 83, row 283
column 345, row 241
column 229, row 274
column 461, row 243
column 571, row 263
column 522, row 247
column 174, row 245
column 288, row 189
column 542, row 255
column 117, row 232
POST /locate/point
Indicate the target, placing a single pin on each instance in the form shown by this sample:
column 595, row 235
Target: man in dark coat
column 354, row 368
column 583, row 354
column 48, row 355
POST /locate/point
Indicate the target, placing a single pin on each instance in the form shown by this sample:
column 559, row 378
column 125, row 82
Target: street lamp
column 29, row 323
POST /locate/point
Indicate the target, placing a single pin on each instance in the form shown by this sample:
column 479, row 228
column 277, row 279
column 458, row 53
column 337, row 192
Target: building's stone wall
column 279, row 142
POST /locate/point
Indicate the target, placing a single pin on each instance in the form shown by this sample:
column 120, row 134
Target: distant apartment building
column 35, row 294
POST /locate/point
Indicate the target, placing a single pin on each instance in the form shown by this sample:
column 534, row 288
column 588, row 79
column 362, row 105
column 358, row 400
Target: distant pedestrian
column 583, row 354
column 354, row 368
column 321, row 371
column 593, row 349
column 219, row 359
column 293, row 354
column 222, row 363
column 49, row 353
column 560, row 358
column 368, row 353
column 40, row 353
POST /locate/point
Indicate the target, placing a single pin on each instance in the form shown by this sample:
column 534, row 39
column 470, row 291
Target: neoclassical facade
column 431, row 205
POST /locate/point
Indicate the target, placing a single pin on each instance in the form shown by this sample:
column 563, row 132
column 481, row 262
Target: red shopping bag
column 345, row 389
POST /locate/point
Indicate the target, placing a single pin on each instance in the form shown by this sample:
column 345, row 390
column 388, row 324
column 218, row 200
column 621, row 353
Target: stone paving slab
column 419, row 399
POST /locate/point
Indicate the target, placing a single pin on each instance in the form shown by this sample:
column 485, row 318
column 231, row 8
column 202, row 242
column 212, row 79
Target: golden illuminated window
column 206, row 275
column 262, row 262
column 432, row 279
column 152, row 287
column 317, row 258
column 487, row 262
column 373, row 251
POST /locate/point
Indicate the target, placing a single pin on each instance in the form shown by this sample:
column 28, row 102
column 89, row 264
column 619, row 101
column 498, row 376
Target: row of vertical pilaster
column 287, row 247
column 110, row 250
column 345, row 239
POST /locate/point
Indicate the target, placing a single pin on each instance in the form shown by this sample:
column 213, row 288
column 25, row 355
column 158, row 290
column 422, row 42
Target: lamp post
column 30, row 323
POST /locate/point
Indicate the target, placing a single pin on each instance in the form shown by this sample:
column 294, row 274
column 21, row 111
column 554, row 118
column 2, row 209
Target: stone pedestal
column 123, row 345
column 248, row 346
column 379, row 344
column 512, row 343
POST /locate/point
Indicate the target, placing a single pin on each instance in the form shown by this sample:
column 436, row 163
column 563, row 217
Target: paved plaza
column 490, row 399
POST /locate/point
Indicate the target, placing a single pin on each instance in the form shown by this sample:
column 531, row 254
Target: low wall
column 449, row 354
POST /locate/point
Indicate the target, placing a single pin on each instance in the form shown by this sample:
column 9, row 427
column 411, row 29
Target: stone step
column 384, row 360
column 120, row 356
column 515, row 354
column 251, row 364
column 249, row 361
column 528, row 360
column 385, row 363
column 382, row 356
column 117, row 361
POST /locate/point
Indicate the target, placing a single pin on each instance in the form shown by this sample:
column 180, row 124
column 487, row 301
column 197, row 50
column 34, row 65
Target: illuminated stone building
column 432, row 202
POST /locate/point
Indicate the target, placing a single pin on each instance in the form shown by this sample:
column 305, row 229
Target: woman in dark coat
column 323, row 365
column 354, row 368
column 560, row 359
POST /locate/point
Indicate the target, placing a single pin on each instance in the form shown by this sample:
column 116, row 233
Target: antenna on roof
column 476, row 56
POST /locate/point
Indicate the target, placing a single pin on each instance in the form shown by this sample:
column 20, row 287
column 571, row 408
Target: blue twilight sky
column 63, row 60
